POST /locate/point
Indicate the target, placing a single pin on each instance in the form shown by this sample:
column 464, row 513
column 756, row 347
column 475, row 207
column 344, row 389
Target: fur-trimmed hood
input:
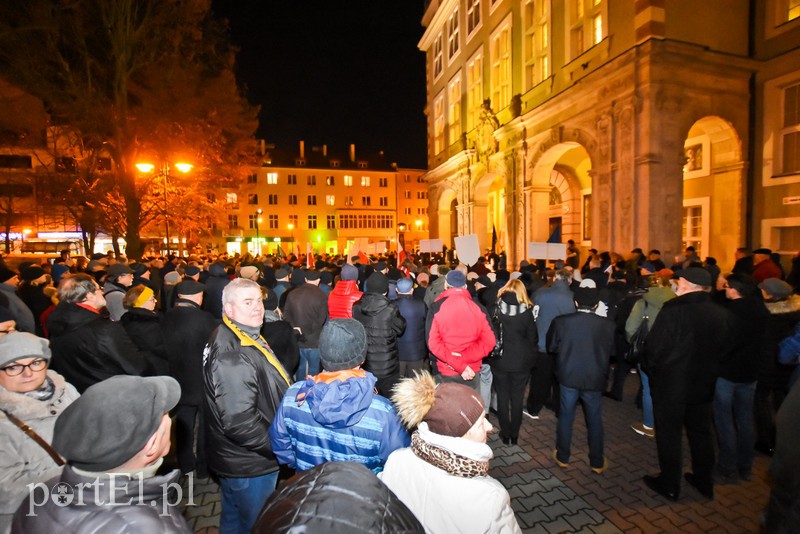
column 788, row 305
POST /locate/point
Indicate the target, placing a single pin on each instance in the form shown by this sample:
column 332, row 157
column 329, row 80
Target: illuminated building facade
column 615, row 123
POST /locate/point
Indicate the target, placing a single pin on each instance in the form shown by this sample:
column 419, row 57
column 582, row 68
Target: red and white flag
column 309, row 257
column 363, row 257
column 401, row 258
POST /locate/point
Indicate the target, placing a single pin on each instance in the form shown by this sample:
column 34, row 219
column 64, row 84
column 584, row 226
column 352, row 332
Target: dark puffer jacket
column 383, row 324
column 412, row 345
column 336, row 497
column 520, row 340
column 217, row 280
column 96, row 515
column 88, row 348
column 243, row 389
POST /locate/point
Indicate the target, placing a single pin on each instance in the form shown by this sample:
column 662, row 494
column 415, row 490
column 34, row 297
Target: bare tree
column 144, row 79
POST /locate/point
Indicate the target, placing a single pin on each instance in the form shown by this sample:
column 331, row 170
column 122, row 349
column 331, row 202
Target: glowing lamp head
column 145, row 167
column 184, row 167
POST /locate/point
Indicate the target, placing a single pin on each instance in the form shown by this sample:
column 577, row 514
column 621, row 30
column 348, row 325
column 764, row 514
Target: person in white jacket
column 443, row 478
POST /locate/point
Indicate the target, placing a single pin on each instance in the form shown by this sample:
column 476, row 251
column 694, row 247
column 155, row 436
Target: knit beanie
column 377, row 283
column 349, row 272
column 342, row 344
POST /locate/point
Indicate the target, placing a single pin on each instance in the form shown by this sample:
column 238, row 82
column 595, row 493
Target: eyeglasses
column 17, row 368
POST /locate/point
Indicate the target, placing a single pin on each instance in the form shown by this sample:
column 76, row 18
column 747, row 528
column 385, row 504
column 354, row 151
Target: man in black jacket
column 244, row 385
column 87, row 347
column 306, row 310
column 186, row 329
column 583, row 343
column 383, row 323
column 683, row 352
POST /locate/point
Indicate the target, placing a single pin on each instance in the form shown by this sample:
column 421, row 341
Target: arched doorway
column 560, row 195
column 490, row 211
column 713, row 220
column 447, row 215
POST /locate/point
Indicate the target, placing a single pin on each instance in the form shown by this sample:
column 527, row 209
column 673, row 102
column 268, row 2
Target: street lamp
column 291, row 229
column 164, row 170
column 258, row 237
column 401, row 228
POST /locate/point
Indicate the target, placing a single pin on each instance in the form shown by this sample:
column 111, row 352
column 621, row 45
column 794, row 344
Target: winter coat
column 750, row 318
column 766, row 269
column 114, row 294
column 35, row 299
column 342, row 298
column 520, row 340
column 157, row 513
column 383, row 324
column 583, row 343
column 445, row 503
column 411, row 345
column 212, row 296
column 685, row 347
column 334, row 417
column 549, row 303
column 21, row 312
column 186, row 329
column 22, row 460
column 356, row 502
column 456, row 324
column 144, row 329
column 307, row 308
column 283, row 339
column 650, row 305
column 434, row 289
column 88, row 348
column 243, row 388
column 784, row 316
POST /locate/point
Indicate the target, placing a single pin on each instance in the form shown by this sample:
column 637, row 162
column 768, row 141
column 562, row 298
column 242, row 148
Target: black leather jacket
column 147, row 512
column 243, row 389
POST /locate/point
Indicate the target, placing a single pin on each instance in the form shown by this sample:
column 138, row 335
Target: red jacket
column 461, row 326
column 342, row 298
column 766, row 269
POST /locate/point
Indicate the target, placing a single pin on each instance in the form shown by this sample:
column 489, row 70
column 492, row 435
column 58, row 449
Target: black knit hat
column 377, row 283
column 342, row 344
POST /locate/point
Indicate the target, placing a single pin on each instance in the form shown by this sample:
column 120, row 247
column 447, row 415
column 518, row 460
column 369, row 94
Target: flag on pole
column 494, row 239
column 401, row 258
column 363, row 257
column 309, row 257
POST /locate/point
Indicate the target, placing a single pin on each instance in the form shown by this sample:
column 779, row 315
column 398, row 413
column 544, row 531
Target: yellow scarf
column 247, row 341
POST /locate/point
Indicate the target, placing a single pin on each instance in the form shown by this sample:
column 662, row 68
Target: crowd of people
column 382, row 371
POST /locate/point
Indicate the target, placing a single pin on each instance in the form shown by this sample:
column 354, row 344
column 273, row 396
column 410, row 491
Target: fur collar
column 788, row 305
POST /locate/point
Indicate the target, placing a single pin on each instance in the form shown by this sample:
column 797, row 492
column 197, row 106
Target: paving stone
column 533, row 518
column 558, row 526
column 554, row 511
column 580, row 520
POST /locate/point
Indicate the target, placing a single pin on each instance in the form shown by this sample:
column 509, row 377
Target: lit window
column 292, row 200
column 348, row 180
column 312, row 200
column 454, row 108
column 473, row 15
column 537, row 42
column 790, row 133
column 292, row 179
column 793, row 10
column 329, row 180
column 438, row 124
column 500, row 58
column 312, row 222
column 272, row 178
column 312, row 180
column 330, row 200
column 452, row 35
column 230, row 198
column 273, row 200
column 474, row 90
column 438, row 64
column 365, row 181
column 586, row 25
column 273, row 222
column 366, row 201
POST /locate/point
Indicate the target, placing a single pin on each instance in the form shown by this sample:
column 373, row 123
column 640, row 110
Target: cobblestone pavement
column 549, row 499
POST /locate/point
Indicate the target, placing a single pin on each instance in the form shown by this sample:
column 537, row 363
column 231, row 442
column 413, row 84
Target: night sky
column 334, row 72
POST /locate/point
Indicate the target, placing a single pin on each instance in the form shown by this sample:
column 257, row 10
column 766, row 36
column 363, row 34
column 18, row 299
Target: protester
column 335, row 415
column 32, row 395
column 118, row 279
column 244, row 385
column 306, row 310
column 512, row 368
column 114, row 439
column 280, row 335
column 443, row 477
column 412, row 349
column 344, row 294
column 31, row 292
column 142, row 322
column 582, row 343
column 9, row 280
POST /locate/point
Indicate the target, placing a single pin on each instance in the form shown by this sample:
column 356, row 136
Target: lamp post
column 258, row 237
column 291, row 229
column 401, row 228
column 164, row 170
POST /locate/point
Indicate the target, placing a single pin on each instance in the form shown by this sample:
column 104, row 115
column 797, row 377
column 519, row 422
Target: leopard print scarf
column 448, row 461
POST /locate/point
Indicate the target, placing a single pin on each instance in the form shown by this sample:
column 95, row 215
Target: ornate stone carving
column 485, row 142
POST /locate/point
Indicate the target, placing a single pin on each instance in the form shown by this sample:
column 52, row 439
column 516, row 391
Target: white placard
column 430, row 245
column 547, row 251
column 468, row 249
